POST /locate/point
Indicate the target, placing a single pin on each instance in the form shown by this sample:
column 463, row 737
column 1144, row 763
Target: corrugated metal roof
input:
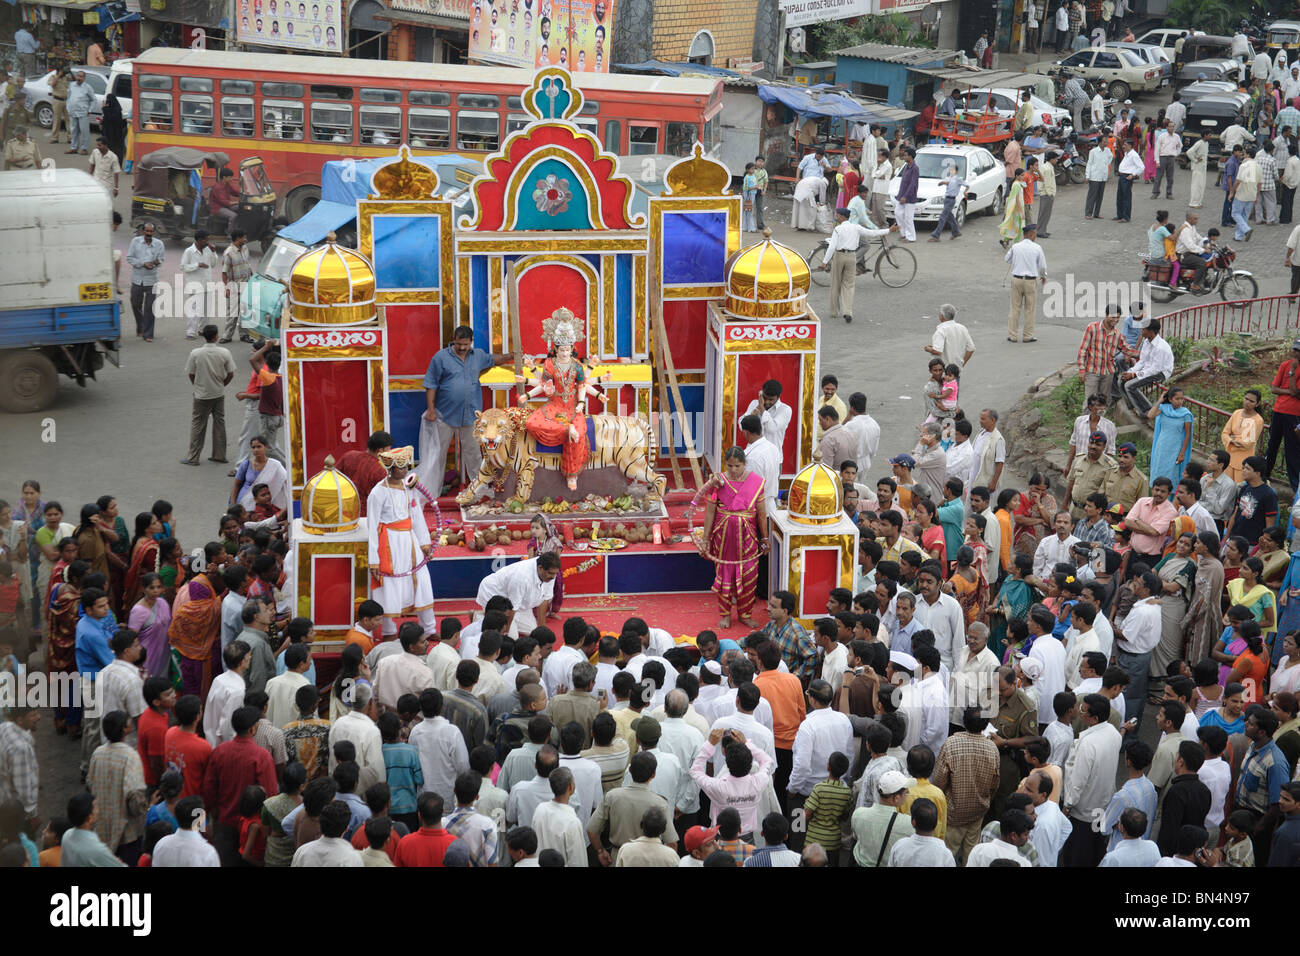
column 981, row 79
column 886, row 53
column 663, row 68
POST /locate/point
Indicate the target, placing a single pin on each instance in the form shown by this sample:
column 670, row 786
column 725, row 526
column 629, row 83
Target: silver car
column 41, row 105
column 1154, row 55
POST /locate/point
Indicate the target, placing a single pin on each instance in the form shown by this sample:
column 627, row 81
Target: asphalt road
column 125, row 433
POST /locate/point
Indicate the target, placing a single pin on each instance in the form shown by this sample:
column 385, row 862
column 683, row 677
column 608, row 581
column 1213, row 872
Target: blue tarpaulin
column 821, row 100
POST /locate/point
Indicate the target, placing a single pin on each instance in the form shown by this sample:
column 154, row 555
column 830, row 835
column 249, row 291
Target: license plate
column 96, row 291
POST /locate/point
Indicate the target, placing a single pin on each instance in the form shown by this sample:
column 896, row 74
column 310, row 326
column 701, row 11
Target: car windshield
column 932, row 165
column 977, row 100
column 278, row 260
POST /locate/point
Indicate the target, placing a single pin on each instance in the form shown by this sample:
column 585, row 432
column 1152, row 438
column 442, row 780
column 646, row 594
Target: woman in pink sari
column 735, row 533
column 1149, row 155
column 151, row 618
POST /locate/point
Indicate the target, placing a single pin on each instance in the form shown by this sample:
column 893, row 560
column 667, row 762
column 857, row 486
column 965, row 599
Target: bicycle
column 893, row 265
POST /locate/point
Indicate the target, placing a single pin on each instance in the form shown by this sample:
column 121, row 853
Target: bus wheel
column 300, row 202
column 28, row 381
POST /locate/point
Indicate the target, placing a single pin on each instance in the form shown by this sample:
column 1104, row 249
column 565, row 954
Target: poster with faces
column 299, row 25
column 574, row 34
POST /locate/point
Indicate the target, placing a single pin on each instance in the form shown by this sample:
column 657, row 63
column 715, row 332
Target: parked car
column 1154, row 55
column 1123, row 70
column 1219, row 70
column 1215, row 112
column 1165, row 37
column 41, row 104
column 984, row 174
column 1007, row 101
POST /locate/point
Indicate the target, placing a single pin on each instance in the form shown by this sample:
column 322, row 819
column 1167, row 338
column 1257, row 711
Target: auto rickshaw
column 1213, row 113
column 1284, row 35
column 172, row 186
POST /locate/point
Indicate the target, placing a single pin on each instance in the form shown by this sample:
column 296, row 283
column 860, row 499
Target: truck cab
column 59, row 312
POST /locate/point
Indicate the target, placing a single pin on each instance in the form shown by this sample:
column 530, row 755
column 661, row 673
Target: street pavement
column 125, row 433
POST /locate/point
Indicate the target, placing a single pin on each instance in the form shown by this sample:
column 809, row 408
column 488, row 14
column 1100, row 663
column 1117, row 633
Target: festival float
column 658, row 320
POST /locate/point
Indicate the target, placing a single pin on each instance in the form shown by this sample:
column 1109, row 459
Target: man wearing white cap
column 879, row 827
column 400, row 546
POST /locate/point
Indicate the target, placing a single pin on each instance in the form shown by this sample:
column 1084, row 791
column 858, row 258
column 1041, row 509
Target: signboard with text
column 574, row 34
column 451, row 9
column 315, row 25
column 900, row 6
column 802, row 13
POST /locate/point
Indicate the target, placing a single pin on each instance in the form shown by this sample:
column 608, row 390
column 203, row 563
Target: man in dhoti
column 1198, row 157
column 529, row 585
column 399, row 545
column 452, row 396
column 809, row 193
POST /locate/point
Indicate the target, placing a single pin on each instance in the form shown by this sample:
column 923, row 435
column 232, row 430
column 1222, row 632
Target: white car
column 1166, row 37
column 985, row 182
column 1007, row 101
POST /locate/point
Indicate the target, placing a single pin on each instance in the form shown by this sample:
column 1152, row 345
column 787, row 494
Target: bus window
column 196, row 114
column 681, row 137
column 151, row 81
column 428, row 98
column 514, row 102
column 156, row 111
column 589, row 108
column 587, row 126
column 430, row 129
column 478, row 130
column 369, row 95
column 281, row 119
column 613, row 137
column 642, row 140
column 331, row 92
column 287, row 90
column 478, row 101
column 331, row 123
column 237, row 87
column 236, row 116
column 381, row 125
column 711, row 134
column 195, row 84
column 516, row 121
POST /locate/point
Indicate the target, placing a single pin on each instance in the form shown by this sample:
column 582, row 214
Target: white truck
column 59, row 313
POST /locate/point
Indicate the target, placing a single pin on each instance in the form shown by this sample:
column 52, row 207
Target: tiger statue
column 624, row 442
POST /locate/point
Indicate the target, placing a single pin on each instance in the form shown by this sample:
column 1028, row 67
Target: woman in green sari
column 1013, row 220
column 1013, row 602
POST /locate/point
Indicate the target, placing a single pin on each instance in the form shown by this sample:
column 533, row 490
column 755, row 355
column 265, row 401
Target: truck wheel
column 28, row 381
column 300, row 202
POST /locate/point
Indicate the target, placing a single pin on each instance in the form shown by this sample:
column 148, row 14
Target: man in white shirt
column 330, row 849
column 1234, row 136
column 1098, row 109
column 1096, row 171
column 763, row 458
column 1049, row 652
column 745, row 701
column 961, row 453
column 1081, row 639
column 823, row 732
column 1130, row 168
column 1176, row 113
column 841, row 260
column 557, row 825
column 1155, row 364
column 358, row 726
column 443, row 658
column 1051, row 827
column 671, row 780
column 925, row 700
column 774, row 413
column 809, row 193
column 683, row 741
column 527, row 794
column 1189, row 246
column 972, row 673
column 199, row 263
column 1216, row 774
column 1059, row 734
column 1015, row 828
column 1028, row 272
column 1055, row 548
column 1168, row 145
column 104, row 166
column 1089, row 781
column 865, row 431
column 881, row 175
column 557, row 669
column 282, row 689
column 499, row 616
column 980, row 504
column 951, row 340
column 922, row 847
column 1137, row 638
column 186, row 846
column 588, row 791
column 835, row 656
column 404, row 673
column 940, row 613
column 441, row 747
column 528, row 584
column 1188, row 496
column 226, row 695
column 232, row 605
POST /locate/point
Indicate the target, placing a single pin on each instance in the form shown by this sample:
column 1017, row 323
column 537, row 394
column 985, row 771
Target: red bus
column 296, row 112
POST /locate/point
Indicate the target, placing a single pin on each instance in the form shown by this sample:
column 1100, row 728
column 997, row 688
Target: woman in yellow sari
column 1013, row 220
column 1248, row 591
column 1241, row 434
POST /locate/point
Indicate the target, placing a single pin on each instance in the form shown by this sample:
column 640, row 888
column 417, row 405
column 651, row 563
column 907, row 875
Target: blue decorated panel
column 623, row 314
column 694, row 248
column 406, row 251
column 693, row 399
column 553, row 198
column 405, row 407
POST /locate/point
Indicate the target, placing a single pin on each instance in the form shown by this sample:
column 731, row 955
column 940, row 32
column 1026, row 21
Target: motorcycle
column 1071, row 167
column 1233, row 285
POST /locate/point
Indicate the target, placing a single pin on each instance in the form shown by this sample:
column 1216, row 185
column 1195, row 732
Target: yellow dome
column 330, row 503
column 331, row 285
column 767, row 281
column 815, row 495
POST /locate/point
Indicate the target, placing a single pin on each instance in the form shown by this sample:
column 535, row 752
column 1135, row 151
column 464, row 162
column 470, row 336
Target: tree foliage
column 895, row 28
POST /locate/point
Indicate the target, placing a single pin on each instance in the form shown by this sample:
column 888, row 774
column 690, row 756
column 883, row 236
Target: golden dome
column 331, row 285
column 815, row 494
column 767, row 281
column 330, row 503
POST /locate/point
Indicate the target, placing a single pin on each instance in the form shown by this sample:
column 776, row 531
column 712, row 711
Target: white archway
column 702, row 48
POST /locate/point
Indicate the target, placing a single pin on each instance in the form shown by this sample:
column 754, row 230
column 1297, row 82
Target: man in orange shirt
column 369, row 616
column 186, row 749
column 784, row 692
column 427, row 845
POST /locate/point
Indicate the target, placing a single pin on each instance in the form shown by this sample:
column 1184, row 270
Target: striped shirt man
column 1098, row 348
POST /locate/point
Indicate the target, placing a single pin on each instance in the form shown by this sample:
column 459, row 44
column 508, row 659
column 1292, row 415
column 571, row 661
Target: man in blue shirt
column 1130, row 333
column 1229, row 174
column 453, row 395
column 94, row 631
column 813, row 164
column 1264, row 769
